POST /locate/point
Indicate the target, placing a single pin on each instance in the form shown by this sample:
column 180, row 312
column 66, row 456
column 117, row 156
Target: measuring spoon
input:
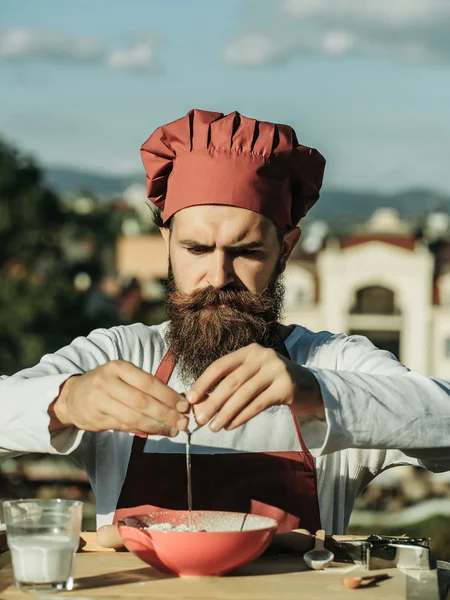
column 319, row 558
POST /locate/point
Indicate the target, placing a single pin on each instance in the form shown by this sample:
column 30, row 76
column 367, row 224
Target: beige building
column 379, row 282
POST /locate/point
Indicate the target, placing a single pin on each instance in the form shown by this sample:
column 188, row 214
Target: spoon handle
column 320, row 539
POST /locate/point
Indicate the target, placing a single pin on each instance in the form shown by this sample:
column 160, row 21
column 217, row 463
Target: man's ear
column 165, row 232
column 291, row 239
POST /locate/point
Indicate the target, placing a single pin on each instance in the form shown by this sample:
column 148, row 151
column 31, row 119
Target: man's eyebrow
column 246, row 246
column 195, row 243
column 237, row 247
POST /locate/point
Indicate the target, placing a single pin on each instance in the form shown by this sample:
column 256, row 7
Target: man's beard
column 210, row 323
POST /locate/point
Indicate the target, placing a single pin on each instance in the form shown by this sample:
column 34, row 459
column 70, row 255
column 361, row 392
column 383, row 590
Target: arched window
column 374, row 300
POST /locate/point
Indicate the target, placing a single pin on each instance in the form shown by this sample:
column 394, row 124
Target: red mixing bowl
column 230, row 540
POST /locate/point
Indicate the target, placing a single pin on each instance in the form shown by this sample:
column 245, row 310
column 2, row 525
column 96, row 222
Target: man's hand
column 120, row 397
column 252, row 379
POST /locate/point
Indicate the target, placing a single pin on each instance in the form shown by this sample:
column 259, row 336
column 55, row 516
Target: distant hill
column 333, row 205
column 345, row 205
column 66, row 181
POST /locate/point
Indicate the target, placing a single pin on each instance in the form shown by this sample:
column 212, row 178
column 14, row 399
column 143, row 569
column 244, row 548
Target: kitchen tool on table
column 222, row 541
column 320, row 557
column 383, row 552
column 412, row 555
column 297, row 540
column 352, row 583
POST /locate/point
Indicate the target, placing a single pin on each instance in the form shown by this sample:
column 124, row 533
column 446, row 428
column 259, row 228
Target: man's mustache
column 210, row 297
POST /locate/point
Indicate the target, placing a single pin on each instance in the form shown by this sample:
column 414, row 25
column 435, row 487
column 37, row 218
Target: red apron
column 281, row 485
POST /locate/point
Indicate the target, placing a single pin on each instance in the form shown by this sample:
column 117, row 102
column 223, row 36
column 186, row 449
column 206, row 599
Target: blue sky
column 85, row 83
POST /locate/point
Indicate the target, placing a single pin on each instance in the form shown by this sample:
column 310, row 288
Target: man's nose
column 221, row 272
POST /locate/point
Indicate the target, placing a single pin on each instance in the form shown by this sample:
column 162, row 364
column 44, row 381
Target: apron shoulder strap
column 165, row 368
column 163, row 373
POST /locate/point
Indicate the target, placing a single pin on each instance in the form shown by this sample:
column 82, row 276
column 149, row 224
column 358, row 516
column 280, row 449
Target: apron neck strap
column 163, row 373
column 165, row 368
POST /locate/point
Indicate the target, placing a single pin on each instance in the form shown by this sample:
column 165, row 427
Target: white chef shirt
column 379, row 414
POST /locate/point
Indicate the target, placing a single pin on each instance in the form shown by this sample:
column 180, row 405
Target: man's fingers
column 149, row 384
column 147, row 405
column 226, row 390
column 213, row 374
column 259, row 404
column 238, row 402
column 118, row 417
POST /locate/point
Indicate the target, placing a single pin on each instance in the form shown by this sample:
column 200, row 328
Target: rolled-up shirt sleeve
column 372, row 401
column 26, row 396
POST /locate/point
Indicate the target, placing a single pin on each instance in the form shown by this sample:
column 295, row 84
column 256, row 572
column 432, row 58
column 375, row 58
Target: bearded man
column 288, row 423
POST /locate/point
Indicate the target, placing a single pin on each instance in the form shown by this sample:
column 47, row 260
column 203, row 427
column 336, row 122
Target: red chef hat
column 212, row 158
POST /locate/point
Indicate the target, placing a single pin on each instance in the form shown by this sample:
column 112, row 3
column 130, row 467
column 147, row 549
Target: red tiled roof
column 408, row 243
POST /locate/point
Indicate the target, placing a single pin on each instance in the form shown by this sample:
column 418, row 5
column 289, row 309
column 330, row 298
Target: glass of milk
column 43, row 537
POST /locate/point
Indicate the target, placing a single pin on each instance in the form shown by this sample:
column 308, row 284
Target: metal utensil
column 319, row 558
column 382, row 552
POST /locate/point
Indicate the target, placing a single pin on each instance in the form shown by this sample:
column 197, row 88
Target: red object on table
column 230, row 541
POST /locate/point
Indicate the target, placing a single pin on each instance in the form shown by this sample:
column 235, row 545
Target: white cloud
column 393, row 12
column 408, row 30
column 256, row 48
column 29, row 44
column 337, row 42
column 16, row 44
column 139, row 56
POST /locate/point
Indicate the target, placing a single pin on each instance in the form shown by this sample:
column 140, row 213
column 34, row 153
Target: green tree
column 39, row 310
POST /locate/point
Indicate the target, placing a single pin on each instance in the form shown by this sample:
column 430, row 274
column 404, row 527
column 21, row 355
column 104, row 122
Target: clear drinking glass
column 43, row 537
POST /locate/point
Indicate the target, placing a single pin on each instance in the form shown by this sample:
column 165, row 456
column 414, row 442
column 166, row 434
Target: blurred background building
column 366, row 83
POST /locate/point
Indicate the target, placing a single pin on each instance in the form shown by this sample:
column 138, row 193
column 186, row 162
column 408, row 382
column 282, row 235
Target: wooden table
column 122, row 575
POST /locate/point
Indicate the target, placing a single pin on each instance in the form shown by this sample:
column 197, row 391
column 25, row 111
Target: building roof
column 401, row 241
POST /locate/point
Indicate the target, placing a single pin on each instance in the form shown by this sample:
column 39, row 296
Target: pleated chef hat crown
column 212, row 158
